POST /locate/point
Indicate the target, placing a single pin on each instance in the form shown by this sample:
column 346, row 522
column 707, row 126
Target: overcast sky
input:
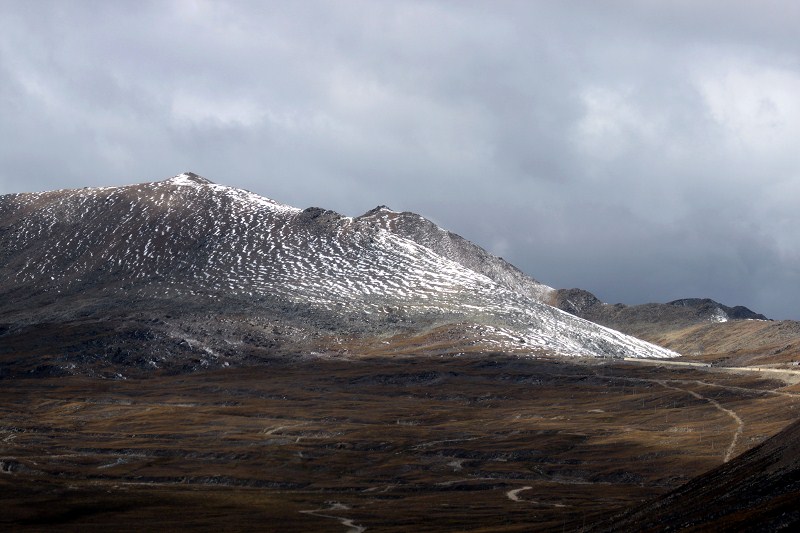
column 643, row 150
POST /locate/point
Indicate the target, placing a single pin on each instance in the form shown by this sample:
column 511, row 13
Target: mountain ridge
column 456, row 248
column 696, row 327
column 186, row 249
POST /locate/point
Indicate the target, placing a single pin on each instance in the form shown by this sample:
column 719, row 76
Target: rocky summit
column 184, row 273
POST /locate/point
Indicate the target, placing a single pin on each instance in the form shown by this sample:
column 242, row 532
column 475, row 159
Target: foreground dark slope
column 757, row 491
column 209, row 275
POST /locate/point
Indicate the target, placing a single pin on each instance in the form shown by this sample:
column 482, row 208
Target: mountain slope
column 693, row 326
column 207, row 272
column 456, row 248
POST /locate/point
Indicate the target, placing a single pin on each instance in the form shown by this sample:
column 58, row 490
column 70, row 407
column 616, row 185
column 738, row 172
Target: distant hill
column 646, row 318
column 693, row 327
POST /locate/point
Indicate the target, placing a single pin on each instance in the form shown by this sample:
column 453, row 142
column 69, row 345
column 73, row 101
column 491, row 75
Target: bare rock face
column 206, row 275
column 577, row 301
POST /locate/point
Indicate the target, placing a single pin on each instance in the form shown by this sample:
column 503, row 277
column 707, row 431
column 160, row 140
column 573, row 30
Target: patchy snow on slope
column 188, row 236
column 719, row 316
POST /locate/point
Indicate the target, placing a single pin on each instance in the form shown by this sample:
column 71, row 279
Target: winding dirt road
column 716, row 404
column 346, row 522
column 513, row 495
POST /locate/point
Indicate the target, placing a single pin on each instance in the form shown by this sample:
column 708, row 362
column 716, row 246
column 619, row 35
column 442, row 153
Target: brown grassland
column 392, row 443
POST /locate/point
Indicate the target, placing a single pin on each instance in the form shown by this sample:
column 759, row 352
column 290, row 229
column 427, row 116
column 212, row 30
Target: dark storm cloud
column 642, row 150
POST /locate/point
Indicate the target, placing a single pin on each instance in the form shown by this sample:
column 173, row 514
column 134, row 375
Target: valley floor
column 445, row 443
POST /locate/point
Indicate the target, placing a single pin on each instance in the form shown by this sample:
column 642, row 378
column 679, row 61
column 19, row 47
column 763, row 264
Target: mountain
column 387, row 378
column 208, row 275
column 639, row 318
column 716, row 311
column 693, row 326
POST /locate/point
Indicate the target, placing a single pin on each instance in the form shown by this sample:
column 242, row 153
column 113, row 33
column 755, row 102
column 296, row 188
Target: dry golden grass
column 428, row 443
column 739, row 342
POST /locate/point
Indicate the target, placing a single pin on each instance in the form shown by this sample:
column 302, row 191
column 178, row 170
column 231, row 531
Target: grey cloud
column 641, row 150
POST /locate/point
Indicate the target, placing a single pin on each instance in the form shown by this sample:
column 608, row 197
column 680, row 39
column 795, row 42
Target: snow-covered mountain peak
column 189, row 179
column 199, row 187
column 187, row 240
